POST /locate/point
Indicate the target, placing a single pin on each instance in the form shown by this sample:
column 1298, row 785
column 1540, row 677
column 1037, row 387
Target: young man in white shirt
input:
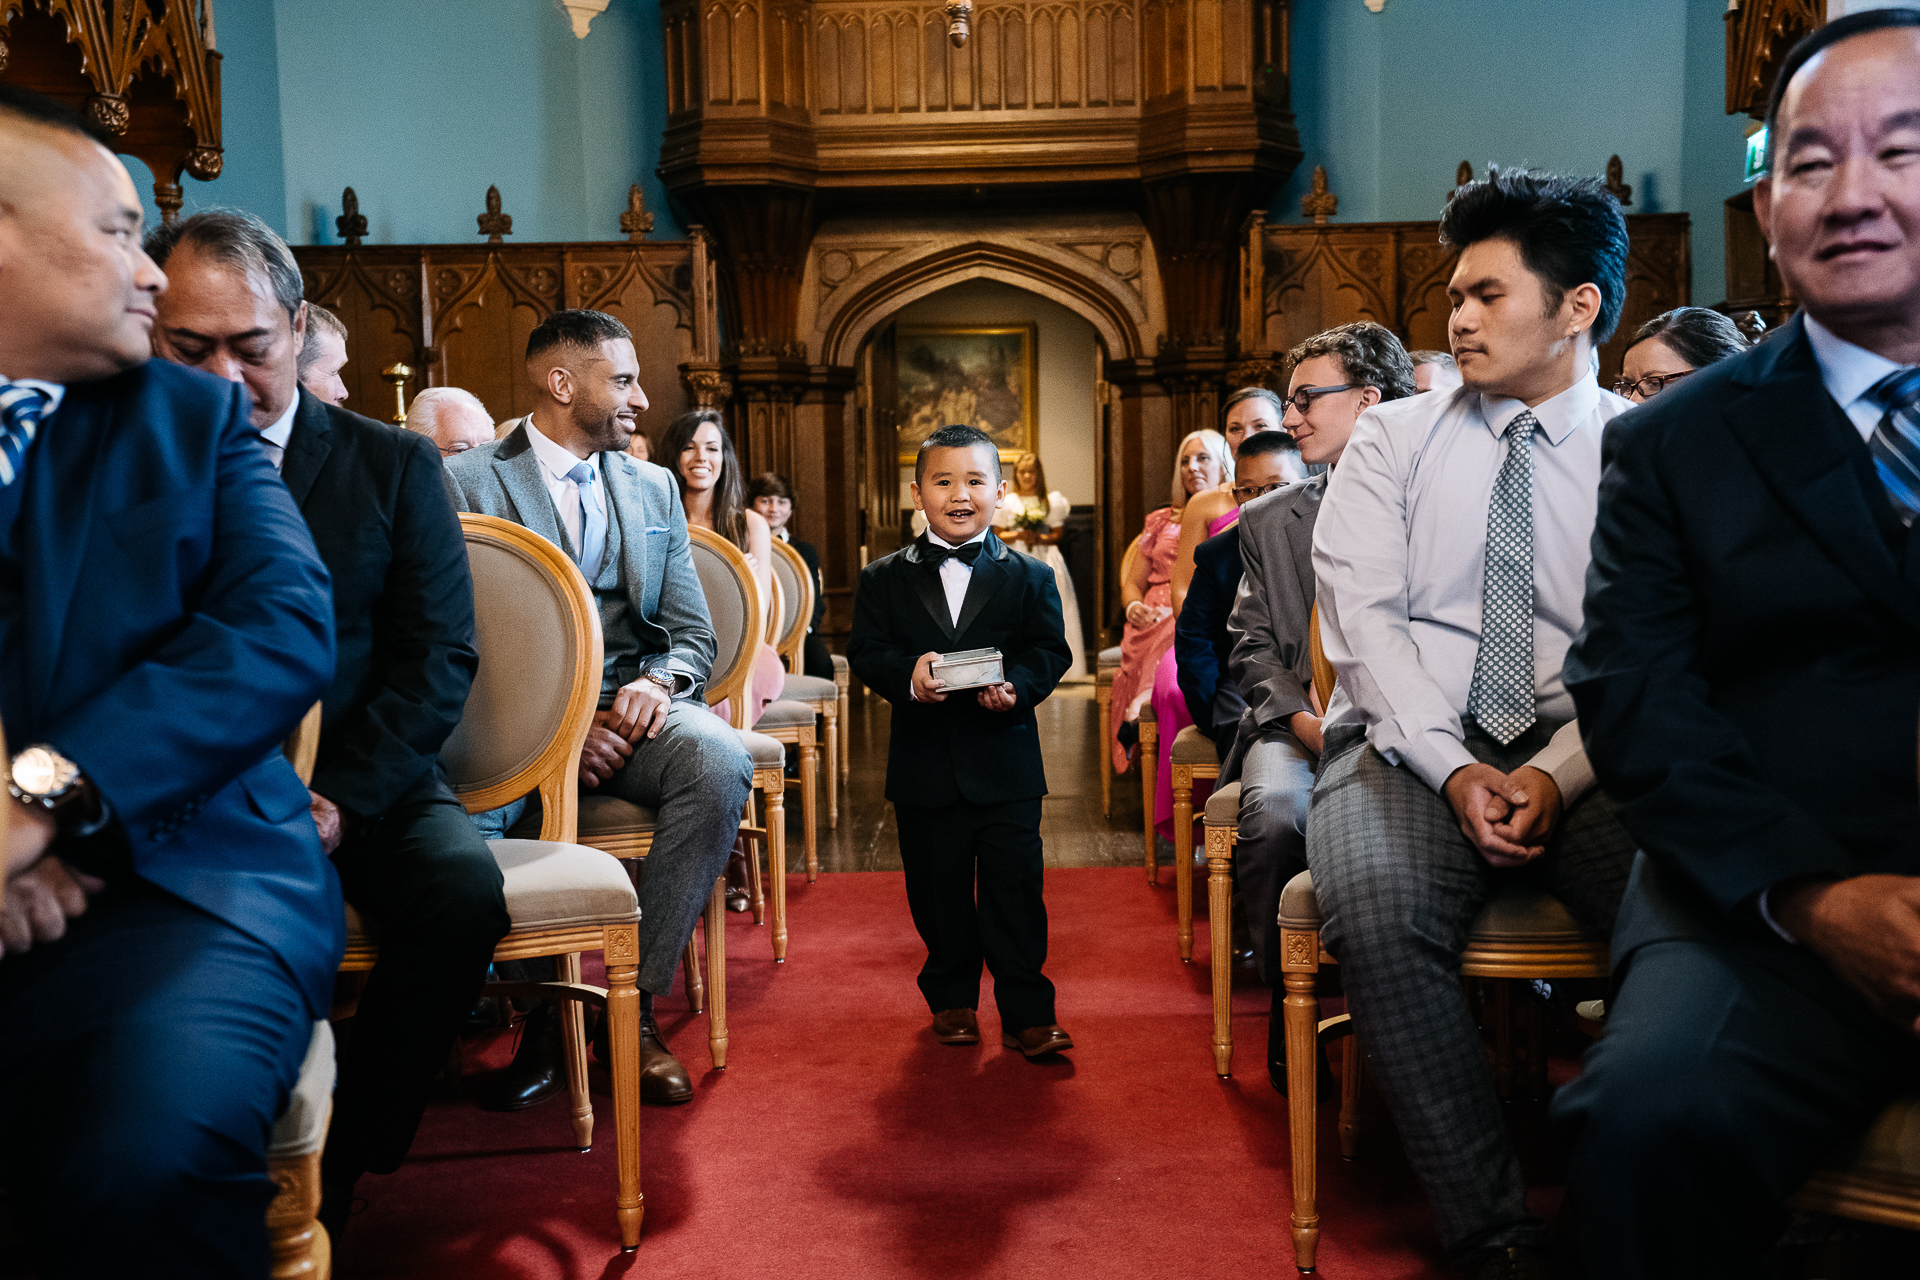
column 1450, row 557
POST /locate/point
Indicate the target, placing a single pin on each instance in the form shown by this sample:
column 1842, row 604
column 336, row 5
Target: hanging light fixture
column 959, row 18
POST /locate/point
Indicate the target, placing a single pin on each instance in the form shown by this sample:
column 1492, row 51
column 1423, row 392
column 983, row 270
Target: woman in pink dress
column 1203, row 463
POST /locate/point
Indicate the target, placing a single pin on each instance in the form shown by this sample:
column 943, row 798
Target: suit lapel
column 627, row 503
column 988, row 572
column 518, row 469
column 925, row 580
column 1798, row 440
column 307, row 447
column 62, row 499
column 1304, row 505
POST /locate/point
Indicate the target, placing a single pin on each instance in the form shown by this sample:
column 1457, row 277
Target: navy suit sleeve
column 391, row 735
column 1196, row 662
column 1034, row 670
column 1690, row 783
column 872, row 655
column 253, row 652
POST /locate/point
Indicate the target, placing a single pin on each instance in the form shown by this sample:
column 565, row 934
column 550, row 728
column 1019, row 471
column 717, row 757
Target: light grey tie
column 1501, row 699
column 593, row 522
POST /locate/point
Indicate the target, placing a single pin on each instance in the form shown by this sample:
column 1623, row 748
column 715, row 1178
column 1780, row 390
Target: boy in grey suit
column 1337, row 376
column 563, row 472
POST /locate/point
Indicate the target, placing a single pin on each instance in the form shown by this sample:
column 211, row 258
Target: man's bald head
column 79, row 290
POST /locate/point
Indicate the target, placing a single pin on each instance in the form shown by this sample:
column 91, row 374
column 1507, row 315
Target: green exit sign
column 1756, row 153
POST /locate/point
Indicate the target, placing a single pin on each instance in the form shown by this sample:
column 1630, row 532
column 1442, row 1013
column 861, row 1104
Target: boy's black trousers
column 945, row 850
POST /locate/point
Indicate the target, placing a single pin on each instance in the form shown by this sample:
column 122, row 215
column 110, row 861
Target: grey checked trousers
column 1399, row 886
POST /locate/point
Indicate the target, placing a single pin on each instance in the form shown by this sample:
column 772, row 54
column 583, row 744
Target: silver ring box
column 967, row 669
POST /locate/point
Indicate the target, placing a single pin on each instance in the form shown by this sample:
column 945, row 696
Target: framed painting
column 984, row 376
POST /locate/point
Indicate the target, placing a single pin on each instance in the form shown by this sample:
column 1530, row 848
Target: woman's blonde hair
column 1039, row 473
column 1216, row 445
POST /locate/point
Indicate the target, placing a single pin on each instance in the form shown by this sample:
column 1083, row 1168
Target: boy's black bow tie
column 933, row 553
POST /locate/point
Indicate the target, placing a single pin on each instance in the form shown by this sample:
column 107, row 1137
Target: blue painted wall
column 1392, row 102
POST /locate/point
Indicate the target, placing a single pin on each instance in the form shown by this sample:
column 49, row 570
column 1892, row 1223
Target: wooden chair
column 1104, row 668
column 795, row 585
column 1521, row 933
column 843, row 681
column 1193, row 758
column 532, row 702
column 1149, row 757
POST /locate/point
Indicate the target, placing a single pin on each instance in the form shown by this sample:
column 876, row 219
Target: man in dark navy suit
column 170, row 926
column 964, row 771
column 1748, row 682
column 409, row 860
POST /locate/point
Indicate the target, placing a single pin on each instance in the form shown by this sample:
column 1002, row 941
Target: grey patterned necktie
column 1501, row 699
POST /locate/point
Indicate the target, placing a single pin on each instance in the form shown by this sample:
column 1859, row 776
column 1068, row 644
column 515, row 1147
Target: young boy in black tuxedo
column 963, row 768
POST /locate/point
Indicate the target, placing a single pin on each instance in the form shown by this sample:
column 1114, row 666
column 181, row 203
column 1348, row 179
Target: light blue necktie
column 1896, row 441
column 1501, row 699
column 593, row 522
column 21, row 408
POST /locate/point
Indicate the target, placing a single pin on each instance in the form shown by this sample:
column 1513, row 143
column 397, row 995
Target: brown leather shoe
column 1516, row 1262
column 1035, row 1041
column 956, row 1026
column 663, row 1081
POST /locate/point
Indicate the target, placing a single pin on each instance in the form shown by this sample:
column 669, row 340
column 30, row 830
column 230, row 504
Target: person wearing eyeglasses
column 1676, row 343
column 1337, row 376
column 453, row 419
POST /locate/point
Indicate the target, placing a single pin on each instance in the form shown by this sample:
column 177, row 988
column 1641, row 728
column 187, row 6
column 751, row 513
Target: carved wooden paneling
column 1395, row 274
column 1759, row 33
column 461, row 314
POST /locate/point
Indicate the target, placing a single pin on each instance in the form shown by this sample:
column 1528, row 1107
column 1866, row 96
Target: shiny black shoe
column 539, row 1070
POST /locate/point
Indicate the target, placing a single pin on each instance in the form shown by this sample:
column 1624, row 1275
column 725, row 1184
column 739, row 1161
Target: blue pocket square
column 656, row 528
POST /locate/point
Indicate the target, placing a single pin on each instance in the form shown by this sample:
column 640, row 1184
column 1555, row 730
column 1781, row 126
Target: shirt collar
column 781, row 533
column 556, row 459
column 280, row 429
column 1557, row 417
column 939, row 541
column 1848, row 371
column 54, row 391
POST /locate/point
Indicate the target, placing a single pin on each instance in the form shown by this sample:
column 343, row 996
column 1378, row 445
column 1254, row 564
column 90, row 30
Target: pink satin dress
column 1170, row 711
column 1142, row 647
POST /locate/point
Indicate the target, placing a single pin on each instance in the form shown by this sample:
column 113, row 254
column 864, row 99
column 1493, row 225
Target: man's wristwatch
column 42, row 776
column 664, row 680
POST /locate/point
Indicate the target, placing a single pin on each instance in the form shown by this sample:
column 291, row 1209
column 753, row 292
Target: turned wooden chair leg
column 828, row 713
column 1351, row 1070
column 622, row 951
column 1300, row 963
column 717, row 973
column 776, row 818
column 1183, row 856
column 756, row 891
column 1220, row 931
column 696, row 985
column 809, row 791
column 1149, row 780
column 573, row 1025
column 1103, row 699
column 846, row 746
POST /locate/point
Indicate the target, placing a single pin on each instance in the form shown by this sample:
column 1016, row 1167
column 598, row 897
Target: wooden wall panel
column 1395, row 274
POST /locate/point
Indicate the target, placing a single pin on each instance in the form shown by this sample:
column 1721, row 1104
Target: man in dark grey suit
column 1337, row 376
column 563, row 472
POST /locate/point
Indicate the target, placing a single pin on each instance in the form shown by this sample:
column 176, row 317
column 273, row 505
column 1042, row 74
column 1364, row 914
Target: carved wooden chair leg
column 830, row 714
column 622, row 951
column 776, row 819
column 1351, row 1071
column 1300, row 965
column 717, row 973
column 756, row 890
column 1149, row 781
column 696, row 985
column 846, row 746
column 573, row 1032
column 809, row 784
column 1103, row 699
column 1220, row 931
column 1183, row 855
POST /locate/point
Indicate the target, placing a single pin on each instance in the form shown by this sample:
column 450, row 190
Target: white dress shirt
column 275, row 436
column 955, row 574
column 1849, row 372
column 1399, row 551
column 555, row 461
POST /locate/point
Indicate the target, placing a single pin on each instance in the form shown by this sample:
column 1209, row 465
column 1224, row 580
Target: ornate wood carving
column 1759, row 33
column 1617, row 181
column 493, row 223
column 1395, row 274
column 351, row 224
column 143, row 70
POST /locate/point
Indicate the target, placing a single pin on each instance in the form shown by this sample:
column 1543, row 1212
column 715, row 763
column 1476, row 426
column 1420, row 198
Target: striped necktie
column 21, row 408
column 1501, row 697
column 1896, row 441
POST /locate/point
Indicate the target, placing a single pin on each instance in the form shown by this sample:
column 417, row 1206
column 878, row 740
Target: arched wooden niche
column 146, row 71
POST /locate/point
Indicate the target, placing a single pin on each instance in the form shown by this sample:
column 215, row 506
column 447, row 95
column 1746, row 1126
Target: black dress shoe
column 1516, row 1262
column 739, row 898
column 663, row 1081
column 539, row 1069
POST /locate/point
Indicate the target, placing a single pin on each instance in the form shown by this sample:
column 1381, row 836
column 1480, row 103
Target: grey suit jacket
column 663, row 589
column 1272, row 657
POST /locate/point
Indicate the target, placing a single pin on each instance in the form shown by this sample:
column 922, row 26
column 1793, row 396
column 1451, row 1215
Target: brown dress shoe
column 956, row 1026
column 1035, row 1041
column 1516, row 1262
column 662, row 1079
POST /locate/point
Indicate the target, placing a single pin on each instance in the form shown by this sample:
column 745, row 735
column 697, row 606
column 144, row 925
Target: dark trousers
column 945, row 851
column 1732, row 1067
column 430, row 891
column 143, row 1060
column 817, row 661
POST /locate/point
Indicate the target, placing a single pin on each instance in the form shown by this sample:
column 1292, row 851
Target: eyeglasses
column 1303, row 398
column 1248, row 492
column 1648, row 387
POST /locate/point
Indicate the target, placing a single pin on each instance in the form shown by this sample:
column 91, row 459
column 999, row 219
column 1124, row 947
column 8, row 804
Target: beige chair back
column 534, row 696
column 733, row 600
column 775, row 608
column 796, row 602
column 1323, row 673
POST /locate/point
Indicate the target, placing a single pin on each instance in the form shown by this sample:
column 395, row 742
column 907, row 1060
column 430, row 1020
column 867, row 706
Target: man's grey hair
column 1442, row 358
column 425, row 409
column 238, row 240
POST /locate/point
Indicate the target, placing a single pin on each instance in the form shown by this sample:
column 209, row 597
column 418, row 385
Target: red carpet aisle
column 843, row 1143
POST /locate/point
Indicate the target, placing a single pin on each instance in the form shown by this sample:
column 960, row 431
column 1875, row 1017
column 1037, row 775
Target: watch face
column 36, row 771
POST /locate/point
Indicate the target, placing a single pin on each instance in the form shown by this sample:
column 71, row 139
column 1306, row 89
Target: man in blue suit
column 170, row 927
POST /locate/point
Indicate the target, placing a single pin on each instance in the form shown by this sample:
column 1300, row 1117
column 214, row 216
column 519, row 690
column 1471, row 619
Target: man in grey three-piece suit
column 562, row 472
column 1337, row 376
